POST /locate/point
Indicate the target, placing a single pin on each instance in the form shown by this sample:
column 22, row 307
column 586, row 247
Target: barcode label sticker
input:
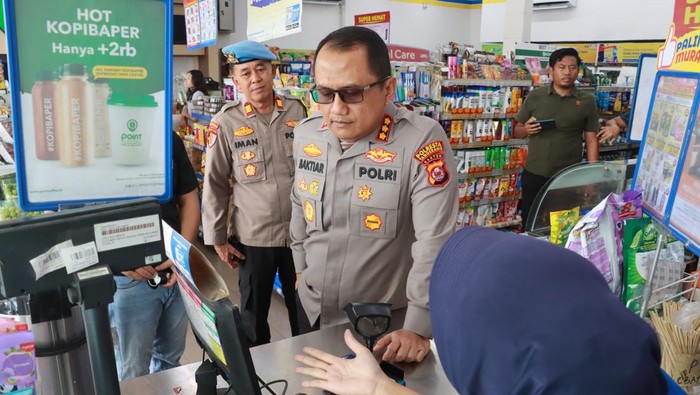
column 127, row 232
column 50, row 261
column 79, row 257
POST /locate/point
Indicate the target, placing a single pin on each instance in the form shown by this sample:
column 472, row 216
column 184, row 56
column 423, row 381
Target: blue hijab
column 515, row 315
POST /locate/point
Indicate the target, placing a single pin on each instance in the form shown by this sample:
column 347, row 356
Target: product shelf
column 618, row 147
column 478, row 82
column 199, row 147
column 503, row 172
column 458, row 115
column 613, row 88
column 506, row 224
column 485, row 144
column 202, row 117
column 483, row 202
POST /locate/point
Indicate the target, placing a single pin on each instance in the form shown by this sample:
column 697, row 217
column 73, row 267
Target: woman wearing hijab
column 516, row 316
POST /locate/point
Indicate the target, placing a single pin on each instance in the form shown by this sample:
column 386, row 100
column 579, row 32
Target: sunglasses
column 347, row 95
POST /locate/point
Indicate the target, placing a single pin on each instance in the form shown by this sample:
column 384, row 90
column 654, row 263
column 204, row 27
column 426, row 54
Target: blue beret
column 246, row 51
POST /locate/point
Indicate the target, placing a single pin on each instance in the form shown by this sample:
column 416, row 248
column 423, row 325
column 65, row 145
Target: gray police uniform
column 256, row 158
column 368, row 223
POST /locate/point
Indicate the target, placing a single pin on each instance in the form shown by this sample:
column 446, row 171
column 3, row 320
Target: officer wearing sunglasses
column 374, row 195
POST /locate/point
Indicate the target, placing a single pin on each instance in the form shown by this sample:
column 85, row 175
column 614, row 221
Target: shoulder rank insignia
column 279, row 103
column 248, row 108
column 432, row 156
column 385, row 128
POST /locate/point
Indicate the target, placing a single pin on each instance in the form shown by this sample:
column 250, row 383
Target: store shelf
column 483, row 202
column 506, row 83
column 494, row 143
column 618, row 147
column 458, row 115
column 609, row 115
column 506, row 224
column 610, row 64
column 199, row 147
column 491, row 173
column 613, row 88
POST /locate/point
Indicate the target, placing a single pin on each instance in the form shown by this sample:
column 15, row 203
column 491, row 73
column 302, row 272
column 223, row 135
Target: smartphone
column 235, row 243
column 547, row 124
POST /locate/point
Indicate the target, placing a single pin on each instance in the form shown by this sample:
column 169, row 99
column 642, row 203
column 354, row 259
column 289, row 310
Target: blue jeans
column 151, row 327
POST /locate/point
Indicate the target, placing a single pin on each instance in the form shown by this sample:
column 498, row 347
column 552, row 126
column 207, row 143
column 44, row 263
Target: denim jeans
column 151, row 326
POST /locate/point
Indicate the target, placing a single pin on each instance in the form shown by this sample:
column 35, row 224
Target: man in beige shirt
column 250, row 147
column 374, row 195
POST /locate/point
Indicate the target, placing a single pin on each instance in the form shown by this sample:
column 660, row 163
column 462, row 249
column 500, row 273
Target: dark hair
column 350, row 37
column 559, row 54
column 198, row 82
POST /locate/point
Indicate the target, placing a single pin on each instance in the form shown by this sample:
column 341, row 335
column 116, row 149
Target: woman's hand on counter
column 358, row 376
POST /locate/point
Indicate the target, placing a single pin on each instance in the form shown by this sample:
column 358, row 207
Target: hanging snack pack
column 639, row 246
column 598, row 235
column 562, row 222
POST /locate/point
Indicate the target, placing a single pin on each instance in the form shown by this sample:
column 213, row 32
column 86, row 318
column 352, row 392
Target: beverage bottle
column 44, row 112
column 74, row 107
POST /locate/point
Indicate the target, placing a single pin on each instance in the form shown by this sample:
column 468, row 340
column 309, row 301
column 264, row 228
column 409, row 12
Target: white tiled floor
column 277, row 318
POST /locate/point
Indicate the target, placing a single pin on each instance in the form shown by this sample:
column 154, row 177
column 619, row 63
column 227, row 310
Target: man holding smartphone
column 550, row 149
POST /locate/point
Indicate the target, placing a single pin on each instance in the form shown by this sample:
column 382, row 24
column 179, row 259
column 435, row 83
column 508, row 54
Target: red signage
column 682, row 48
column 399, row 53
column 370, row 19
column 686, row 16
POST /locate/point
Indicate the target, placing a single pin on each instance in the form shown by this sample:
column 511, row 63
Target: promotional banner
column 91, row 99
column 625, row 52
column 399, row 53
column 681, row 51
column 268, row 19
column 201, row 21
column 378, row 21
column 661, row 150
column 685, row 210
column 447, row 3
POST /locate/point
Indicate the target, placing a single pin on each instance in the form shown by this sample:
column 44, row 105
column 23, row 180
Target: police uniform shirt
column 368, row 223
column 257, row 158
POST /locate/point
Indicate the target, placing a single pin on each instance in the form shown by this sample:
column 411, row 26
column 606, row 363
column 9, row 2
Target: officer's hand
column 143, row 273
column 608, row 133
column 532, row 127
column 296, row 283
column 172, row 280
column 229, row 254
column 403, row 346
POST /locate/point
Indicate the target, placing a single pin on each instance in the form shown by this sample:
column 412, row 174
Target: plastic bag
column 685, row 317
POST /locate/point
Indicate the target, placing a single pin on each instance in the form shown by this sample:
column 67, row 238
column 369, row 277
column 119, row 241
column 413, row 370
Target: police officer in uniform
column 249, row 158
column 374, row 195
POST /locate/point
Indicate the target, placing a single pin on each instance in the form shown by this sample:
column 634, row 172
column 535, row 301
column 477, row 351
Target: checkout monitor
column 219, row 330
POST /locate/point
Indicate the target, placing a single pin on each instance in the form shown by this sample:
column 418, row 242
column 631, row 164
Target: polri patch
column 385, row 128
column 243, row 131
column 380, row 155
column 432, row 156
column 313, row 187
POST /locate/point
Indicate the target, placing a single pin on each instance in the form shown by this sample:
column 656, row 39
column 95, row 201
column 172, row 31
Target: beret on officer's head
column 247, row 51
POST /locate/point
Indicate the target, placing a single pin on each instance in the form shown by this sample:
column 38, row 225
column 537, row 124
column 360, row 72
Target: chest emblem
column 385, row 128
column 364, row 193
column 302, row 185
column 309, row 211
column 248, row 155
column 292, row 123
column 373, row 222
column 312, row 150
column 380, row 155
column 313, row 188
column 250, row 170
column 243, row 131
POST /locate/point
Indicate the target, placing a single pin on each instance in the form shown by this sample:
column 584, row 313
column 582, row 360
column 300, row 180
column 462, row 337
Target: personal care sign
column 91, row 99
column 682, row 48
